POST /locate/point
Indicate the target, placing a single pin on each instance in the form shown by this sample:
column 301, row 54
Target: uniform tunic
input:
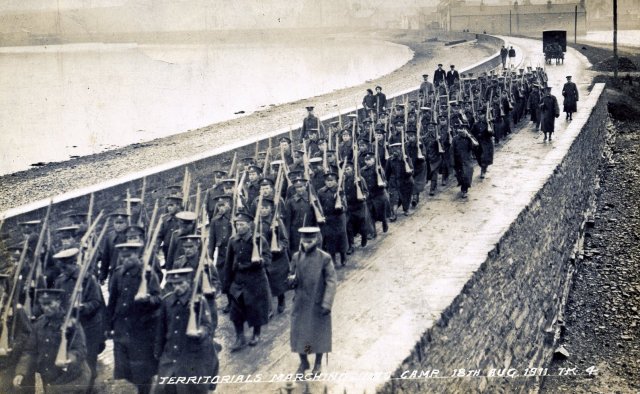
column 334, row 229
column 40, row 353
column 357, row 210
column 316, row 287
column 133, row 323
column 109, row 253
column 169, row 224
column 298, row 213
column 178, row 354
column 400, row 182
column 246, row 282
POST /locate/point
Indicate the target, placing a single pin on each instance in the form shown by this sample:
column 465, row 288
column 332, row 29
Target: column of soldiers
column 245, row 236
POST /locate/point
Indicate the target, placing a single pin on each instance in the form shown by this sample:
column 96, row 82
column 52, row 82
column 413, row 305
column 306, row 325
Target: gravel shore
column 55, row 178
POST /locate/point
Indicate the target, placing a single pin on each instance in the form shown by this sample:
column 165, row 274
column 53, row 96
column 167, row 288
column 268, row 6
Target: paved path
column 394, row 290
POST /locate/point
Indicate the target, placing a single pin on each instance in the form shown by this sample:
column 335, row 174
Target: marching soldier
column 184, row 351
column 42, row 347
column 378, row 198
column 463, row 146
column 334, row 229
column 416, row 155
column 246, row 280
column 219, row 233
column 356, row 207
column 298, row 213
column 484, row 136
column 277, row 271
column 313, row 277
column 570, row 94
column 92, row 309
column 132, row 319
column 187, row 220
column 108, row 252
column 400, row 181
column 550, row 111
column 311, row 122
column 18, row 330
column 169, row 222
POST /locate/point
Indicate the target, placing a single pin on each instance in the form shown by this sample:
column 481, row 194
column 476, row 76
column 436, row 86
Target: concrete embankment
column 507, row 314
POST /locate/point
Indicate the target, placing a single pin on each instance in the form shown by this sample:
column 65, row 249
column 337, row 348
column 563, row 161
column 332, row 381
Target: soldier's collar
column 247, row 236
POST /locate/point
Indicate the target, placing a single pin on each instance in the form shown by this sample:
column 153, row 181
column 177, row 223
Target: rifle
column 197, row 207
column 407, row 166
column 265, row 167
column 29, row 282
column 234, row 199
column 356, row 177
column 275, row 246
column 313, row 200
column 90, row 210
column 5, row 337
column 255, row 253
column 128, row 207
column 379, row 180
column 234, row 164
column 285, row 165
column 143, row 290
column 339, row 190
column 193, row 329
column 420, row 156
column 84, row 263
column 305, row 161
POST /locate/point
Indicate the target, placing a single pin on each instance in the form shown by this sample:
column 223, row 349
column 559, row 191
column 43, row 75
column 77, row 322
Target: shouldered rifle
column 31, row 281
column 147, row 255
column 255, row 253
column 339, row 190
column 85, row 256
column 193, row 324
column 275, row 246
column 356, row 174
column 405, row 159
column 378, row 167
column 6, row 337
column 420, row 156
column 313, row 200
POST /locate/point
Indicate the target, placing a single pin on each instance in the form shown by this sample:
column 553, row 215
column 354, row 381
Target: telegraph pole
column 615, row 39
column 575, row 26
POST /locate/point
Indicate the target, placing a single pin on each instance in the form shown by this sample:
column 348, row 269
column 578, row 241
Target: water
column 77, row 99
column 629, row 38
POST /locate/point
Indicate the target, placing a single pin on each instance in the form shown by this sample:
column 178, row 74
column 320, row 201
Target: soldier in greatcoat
column 415, row 152
column 432, row 144
column 570, row 94
column 108, row 252
column 534, row 105
column 298, row 212
column 180, row 351
column 280, row 257
column 334, row 230
column 463, row 146
column 132, row 319
column 42, row 347
column 378, row 198
column 550, row 111
column 484, row 136
column 169, row 222
column 246, row 281
column 313, row 277
column 311, row 122
column 357, row 214
column 19, row 328
column 187, row 220
column 400, row 180
column 92, row 309
column 219, row 233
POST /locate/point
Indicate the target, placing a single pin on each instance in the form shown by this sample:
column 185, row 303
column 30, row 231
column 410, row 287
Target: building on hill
column 516, row 19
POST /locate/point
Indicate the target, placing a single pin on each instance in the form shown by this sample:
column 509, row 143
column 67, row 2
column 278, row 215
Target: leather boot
column 240, row 342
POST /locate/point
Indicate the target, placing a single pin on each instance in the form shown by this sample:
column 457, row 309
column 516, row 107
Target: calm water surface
column 78, row 99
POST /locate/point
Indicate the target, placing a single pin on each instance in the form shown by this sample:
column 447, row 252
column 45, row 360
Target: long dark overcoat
column 463, row 160
column 484, row 151
column 133, row 323
column 279, row 267
column 316, row 288
column 570, row 93
column 550, row 111
column 248, row 280
column 334, row 229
